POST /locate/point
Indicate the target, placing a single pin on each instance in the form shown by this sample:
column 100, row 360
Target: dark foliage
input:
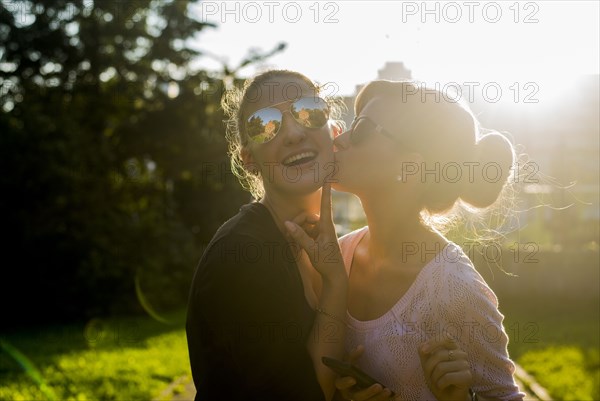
column 114, row 160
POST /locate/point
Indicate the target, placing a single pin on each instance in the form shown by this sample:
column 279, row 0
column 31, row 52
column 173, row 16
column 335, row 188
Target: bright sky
column 347, row 42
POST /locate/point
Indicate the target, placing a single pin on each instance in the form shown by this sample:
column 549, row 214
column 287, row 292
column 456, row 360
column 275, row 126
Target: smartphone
column 342, row 368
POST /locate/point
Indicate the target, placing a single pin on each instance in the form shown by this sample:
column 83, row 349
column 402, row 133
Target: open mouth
column 299, row 159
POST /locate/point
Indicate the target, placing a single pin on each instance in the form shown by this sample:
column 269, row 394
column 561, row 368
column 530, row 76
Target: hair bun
column 494, row 156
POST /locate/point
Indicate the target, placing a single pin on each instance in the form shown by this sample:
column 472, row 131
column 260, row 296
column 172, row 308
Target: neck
column 286, row 207
column 395, row 229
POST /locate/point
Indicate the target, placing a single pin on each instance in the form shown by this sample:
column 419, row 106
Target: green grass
column 110, row 359
column 136, row 358
column 559, row 344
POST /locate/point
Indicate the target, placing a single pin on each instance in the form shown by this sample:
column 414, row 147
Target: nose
column 342, row 141
column 293, row 132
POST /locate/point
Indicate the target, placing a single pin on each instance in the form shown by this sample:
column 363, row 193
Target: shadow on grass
column 43, row 344
column 125, row 357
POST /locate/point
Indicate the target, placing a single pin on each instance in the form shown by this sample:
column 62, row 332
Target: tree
column 115, row 167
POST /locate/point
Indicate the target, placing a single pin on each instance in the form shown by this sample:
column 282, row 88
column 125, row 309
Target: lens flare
column 145, row 304
column 29, row 368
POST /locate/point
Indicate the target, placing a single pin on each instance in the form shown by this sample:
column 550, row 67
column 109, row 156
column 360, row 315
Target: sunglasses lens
column 263, row 125
column 311, row 112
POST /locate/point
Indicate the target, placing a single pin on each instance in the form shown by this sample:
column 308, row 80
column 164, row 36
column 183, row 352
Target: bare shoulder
column 348, row 239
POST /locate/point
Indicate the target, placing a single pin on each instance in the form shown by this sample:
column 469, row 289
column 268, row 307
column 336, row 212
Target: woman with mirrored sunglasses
column 267, row 297
column 428, row 322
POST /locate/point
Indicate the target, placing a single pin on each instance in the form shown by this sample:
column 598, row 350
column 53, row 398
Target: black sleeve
column 247, row 303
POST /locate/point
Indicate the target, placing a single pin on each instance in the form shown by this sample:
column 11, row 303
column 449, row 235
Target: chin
column 306, row 183
column 304, row 186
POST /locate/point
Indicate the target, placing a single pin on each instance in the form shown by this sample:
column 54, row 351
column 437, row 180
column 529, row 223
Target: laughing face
column 298, row 158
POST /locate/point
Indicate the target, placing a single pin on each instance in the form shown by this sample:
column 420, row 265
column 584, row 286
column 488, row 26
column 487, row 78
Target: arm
column 328, row 332
column 248, row 307
column 470, row 309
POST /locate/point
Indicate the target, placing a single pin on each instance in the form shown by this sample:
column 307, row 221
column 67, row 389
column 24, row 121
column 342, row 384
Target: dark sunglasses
column 363, row 126
column 310, row 112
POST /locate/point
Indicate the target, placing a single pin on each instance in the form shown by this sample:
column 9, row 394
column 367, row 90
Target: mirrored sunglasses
column 264, row 124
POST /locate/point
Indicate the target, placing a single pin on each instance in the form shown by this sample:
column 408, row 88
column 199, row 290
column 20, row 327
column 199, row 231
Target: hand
column 321, row 243
column 345, row 384
column 447, row 371
column 309, row 222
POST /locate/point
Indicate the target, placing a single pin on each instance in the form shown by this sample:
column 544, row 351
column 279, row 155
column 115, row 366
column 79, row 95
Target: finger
column 445, row 341
column 326, row 203
column 368, row 393
column 300, row 219
column 309, row 222
column 312, row 230
column 440, row 356
column 344, row 383
column 298, row 234
column 306, row 218
column 383, row 396
column 437, row 364
column 312, row 226
column 312, row 218
column 426, row 362
column 443, row 355
column 460, row 379
column 444, row 368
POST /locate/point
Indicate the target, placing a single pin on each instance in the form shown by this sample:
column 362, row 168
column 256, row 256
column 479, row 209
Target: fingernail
column 290, row 226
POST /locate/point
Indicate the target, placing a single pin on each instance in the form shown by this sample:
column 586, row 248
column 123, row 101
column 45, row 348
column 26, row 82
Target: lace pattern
column 448, row 295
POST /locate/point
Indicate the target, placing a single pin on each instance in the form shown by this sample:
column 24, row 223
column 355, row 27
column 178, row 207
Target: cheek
column 265, row 161
column 325, row 135
column 368, row 166
column 325, row 144
column 361, row 156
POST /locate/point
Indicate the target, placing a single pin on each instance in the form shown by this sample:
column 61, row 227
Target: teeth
column 299, row 156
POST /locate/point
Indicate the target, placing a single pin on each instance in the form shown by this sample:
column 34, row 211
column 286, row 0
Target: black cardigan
column 248, row 319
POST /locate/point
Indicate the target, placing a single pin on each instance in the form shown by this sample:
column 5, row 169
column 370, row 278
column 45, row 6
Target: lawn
column 136, row 358
column 558, row 342
column 109, row 359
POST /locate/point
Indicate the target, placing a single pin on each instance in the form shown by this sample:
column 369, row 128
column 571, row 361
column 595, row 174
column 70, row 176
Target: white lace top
column 447, row 295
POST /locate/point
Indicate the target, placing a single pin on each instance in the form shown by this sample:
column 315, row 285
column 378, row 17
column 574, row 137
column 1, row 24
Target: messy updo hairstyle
column 464, row 168
column 234, row 103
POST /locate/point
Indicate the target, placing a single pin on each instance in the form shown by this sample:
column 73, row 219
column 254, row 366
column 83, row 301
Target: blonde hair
column 234, row 103
column 445, row 130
